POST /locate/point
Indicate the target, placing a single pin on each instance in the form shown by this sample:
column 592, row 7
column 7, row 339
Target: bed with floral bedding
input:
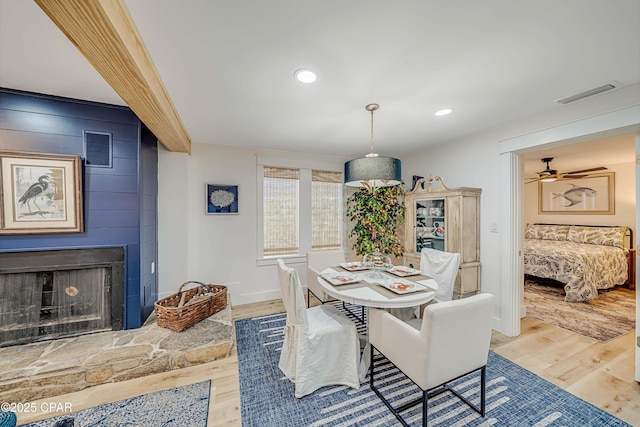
column 584, row 258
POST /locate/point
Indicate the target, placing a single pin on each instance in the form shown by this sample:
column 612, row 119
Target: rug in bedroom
column 609, row 316
column 185, row 406
column 515, row 396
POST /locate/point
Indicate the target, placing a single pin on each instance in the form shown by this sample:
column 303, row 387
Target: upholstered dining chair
column 316, row 262
column 321, row 346
column 452, row 342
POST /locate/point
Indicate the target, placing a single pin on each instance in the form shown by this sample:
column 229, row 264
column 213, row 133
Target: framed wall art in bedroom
column 592, row 195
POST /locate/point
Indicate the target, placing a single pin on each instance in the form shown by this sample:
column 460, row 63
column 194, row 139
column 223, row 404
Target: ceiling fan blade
column 599, row 168
column 571, row 176
column 531, row 180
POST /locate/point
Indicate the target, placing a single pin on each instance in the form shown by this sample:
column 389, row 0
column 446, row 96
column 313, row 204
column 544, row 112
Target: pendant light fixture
column 372, row 171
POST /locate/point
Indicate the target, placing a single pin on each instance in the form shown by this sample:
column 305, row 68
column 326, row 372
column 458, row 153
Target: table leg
column 365, row 360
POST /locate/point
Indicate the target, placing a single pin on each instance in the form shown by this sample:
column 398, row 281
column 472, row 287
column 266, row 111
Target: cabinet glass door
column 430, row 224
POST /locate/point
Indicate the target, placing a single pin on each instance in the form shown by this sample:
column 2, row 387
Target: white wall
column 473, row 162
column 217, row 249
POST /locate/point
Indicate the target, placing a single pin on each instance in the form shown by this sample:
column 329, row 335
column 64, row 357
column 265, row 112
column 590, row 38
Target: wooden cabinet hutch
column 446, row 219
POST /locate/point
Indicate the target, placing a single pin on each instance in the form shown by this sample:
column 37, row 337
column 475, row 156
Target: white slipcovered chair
column 443, row 267
column 316, row 262
column 321, row 346
column 452, row 342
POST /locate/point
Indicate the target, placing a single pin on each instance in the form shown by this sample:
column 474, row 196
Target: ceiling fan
column 549, row 175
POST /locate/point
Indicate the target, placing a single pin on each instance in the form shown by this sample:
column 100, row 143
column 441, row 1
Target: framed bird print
column 591, row 195
column 40, row 193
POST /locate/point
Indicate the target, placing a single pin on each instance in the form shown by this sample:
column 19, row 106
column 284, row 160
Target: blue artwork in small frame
column 222, row 199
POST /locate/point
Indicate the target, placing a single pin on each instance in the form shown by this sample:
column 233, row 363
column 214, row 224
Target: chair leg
column 426, row 394
column 371, row 367
column 446, row 387
column 425, row 398
column 394, row 411
column 309, row 293
column 483, row 389
column 361, row 318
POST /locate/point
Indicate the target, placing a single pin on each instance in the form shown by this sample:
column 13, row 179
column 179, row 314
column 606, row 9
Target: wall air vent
column 98, row 149
column 586, row 94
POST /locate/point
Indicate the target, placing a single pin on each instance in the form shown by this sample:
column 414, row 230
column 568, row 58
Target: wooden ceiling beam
column 105, row 34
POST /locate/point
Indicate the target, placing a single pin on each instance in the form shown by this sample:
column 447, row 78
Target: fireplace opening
column 53, row 294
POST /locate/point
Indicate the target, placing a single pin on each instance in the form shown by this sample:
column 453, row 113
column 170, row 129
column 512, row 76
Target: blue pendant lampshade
column 372, row 171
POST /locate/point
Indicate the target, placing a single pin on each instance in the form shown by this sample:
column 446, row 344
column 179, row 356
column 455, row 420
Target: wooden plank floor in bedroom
column 602, row 374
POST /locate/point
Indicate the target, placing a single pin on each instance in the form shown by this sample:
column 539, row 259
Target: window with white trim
column 300, row 210
column 281, row 188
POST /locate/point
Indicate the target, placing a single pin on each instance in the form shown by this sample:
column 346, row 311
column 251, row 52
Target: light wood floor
column 602, row 374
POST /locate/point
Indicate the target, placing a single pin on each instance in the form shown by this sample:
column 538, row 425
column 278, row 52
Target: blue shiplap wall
column 148, row 219
column 119, row 202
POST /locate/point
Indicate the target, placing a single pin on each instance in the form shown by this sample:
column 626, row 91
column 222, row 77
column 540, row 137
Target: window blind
column 326, row 212
column 280, row 210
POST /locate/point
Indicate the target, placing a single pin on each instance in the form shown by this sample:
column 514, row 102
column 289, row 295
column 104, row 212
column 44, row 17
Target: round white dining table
column 367, row 292
column 364, row 292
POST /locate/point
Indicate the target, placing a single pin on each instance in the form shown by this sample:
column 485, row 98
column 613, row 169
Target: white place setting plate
column 402, row 286
column 353, row 266
column 337, row 278
column 402, row 271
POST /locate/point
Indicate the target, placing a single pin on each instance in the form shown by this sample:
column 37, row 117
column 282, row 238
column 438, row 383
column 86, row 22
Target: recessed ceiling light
column 444, row 111
column 305, row 76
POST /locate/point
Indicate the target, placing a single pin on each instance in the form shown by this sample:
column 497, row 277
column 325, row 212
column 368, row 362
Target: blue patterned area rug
column 185, row 406
column 515, row 396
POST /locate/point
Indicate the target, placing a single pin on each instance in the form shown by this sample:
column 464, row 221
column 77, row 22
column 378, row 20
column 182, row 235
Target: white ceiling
column 228, row 65
column 612, row 150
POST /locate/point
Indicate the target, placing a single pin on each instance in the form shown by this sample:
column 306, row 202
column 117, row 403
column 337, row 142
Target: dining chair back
column 292, row 295
column 320, row 345
column 453, row 342
column 316, row 262
column 443, row 268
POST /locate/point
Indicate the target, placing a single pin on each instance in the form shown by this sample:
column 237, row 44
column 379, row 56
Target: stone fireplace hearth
column 51, row 368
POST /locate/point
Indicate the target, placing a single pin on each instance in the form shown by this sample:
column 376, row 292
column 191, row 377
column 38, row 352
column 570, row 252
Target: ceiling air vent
column 586, row 94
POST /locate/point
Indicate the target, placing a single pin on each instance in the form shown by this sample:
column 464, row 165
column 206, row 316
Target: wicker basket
column 187, row 307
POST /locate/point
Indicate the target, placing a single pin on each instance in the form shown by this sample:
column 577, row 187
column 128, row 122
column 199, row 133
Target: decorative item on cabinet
column 446, row 219
column 415, row 180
